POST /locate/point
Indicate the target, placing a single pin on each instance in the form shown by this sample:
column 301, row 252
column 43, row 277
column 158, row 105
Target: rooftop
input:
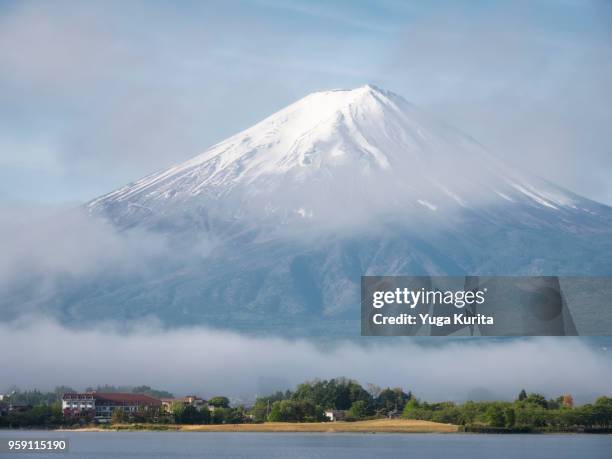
column 118, row 397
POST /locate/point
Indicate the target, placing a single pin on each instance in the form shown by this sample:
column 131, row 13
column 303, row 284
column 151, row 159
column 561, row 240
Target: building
column 79, row 405
column 191, row 400
column 100, row 406
column 166, row 404
column 335, row 415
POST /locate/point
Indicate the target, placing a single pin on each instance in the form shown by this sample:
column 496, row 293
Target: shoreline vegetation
column 335, row 405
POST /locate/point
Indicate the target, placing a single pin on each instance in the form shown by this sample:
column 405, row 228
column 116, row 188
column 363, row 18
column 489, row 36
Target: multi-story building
column 98, row 405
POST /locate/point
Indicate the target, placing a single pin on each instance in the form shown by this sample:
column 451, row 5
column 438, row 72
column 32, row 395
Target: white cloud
column 40, row 245
column 39, row 353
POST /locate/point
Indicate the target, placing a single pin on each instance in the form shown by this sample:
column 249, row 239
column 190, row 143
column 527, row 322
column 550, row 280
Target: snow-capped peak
column 332, row 153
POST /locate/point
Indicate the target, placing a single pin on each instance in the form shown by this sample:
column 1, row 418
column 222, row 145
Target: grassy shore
column 373, row 426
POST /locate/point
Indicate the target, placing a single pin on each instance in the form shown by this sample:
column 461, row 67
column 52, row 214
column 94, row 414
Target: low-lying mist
column 38, row 353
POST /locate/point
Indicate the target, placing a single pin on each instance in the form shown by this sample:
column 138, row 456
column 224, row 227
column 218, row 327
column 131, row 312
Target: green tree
column 470, row 411
column 205, row 415
column 177, row 408
column 191, row 415
column 219, row 402
column 509, row 417
column 338, row 393
column 495, row 416
column 228, row 415
column 392, row 399
column 522, row 395
column 359, row 410
column 411, row 408
column 32, row 397
column 530, row 414
column 262, row 406
column 446, row 412
column 295, row 411
column 602, row 412
column 536, row 399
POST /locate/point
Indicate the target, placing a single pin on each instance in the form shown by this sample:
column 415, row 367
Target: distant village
column 334, row 400
column 102, row 407
column 105, row 407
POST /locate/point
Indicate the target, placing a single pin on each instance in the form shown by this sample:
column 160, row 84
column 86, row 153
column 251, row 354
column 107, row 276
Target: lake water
column 117, row 445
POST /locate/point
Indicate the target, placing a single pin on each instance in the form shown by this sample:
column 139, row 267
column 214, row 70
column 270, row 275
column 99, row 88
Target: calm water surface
column 118, row 445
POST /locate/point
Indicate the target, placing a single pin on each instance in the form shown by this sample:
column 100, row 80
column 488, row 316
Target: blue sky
column 94, row 95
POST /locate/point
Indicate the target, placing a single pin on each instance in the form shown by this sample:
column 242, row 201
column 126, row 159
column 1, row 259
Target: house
column 166, row 404
column 335, row 415
column 191, row 400
column 101, row 405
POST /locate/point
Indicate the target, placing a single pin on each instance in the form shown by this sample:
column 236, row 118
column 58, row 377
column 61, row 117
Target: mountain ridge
column 365, row 148
column 270, row 230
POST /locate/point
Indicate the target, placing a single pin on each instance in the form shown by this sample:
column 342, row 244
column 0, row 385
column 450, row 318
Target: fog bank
column 37, row 353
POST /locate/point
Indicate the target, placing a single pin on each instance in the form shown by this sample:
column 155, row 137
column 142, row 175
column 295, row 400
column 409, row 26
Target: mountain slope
column 331, row 157
column 271, row 229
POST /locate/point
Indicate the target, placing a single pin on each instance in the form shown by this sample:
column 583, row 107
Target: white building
column 97, row 405
column 335, row 415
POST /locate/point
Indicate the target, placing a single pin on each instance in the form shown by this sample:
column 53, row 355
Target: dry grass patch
column 376, row 425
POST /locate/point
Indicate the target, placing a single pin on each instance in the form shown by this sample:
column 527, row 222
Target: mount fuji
column 335, row 157
column 271, row 229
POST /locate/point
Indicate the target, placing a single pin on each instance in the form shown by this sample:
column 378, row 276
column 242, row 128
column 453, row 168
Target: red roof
column 115, row 397
column 120, row 397
column 78, row 396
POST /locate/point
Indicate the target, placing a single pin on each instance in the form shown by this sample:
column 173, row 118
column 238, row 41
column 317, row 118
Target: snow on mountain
column 334, row 155
column 271, row 229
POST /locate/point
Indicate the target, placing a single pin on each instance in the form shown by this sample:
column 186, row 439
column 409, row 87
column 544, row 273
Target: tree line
column 527, row 413
column 310, row 400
